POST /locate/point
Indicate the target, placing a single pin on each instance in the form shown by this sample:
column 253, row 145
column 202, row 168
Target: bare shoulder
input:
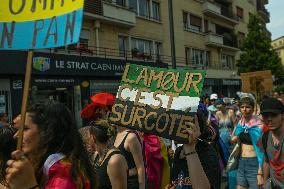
column 116, row 160
column 132, row 136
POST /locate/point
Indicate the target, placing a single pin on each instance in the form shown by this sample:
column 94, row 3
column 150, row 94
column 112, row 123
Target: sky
column 276, row 25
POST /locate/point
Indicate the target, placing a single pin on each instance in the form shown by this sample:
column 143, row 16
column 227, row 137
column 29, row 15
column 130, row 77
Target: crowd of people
column 55, row 154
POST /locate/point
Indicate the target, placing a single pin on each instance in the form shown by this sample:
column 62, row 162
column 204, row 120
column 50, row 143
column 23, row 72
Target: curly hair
column 59, row 134
column 7, row 146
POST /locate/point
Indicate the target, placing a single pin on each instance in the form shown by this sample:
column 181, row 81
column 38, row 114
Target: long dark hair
column 59, row 134
column 7, row 146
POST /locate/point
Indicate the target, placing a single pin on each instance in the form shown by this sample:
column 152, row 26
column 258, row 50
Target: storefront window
column 3, row 105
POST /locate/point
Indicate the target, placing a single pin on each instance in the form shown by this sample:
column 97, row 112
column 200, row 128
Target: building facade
column 278, row 46
column 207, row 35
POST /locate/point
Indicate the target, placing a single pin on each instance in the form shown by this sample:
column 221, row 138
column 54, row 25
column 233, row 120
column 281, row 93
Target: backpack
column 154, row 151
column 156, row 160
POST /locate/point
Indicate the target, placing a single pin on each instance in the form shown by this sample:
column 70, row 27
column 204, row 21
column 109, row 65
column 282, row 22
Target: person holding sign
column 110, row 165
column 195, row 164
column 53, row 154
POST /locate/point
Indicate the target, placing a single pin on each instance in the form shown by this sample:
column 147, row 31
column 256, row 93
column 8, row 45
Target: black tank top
column 128, row 156
column 132, row 181
column 101, row 170
column 245, row 138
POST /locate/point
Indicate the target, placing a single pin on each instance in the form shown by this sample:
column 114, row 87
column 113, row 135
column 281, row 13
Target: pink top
column 60, row 177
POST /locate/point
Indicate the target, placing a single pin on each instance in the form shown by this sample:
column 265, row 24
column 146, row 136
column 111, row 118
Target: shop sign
column 53, row 64
column 157, row 100
column 231, row 82
column 17, row 84
column 54, row 81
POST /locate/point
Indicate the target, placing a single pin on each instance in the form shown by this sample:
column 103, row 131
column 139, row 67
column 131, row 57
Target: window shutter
column 196, row 21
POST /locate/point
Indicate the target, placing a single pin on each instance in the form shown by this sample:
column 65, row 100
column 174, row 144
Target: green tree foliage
column 257, row 53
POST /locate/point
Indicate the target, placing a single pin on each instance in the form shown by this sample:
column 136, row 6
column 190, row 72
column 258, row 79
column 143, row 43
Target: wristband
column 34, row 187
column 260, row 174
column 190, row 153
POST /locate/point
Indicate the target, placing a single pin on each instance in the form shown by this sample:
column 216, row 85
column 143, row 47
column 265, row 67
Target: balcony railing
column 225, row 41
column 118, row 13
column 264, row 14
column 111, row 12
column 214, row 38
column 109, row 53
column 216, row 65
column 217, row 11
column 93, row 7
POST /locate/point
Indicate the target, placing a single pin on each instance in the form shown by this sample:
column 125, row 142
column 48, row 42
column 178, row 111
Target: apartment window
column 144, row 8
column 206, row 29
column 84, row 42
column 192, row 22
column 121, row 2
column 197, row 57
column 227, row 61
column 156, row 10
column 158, row 50
column 240, row 13
column 122, row 45
column 133, row 5
column 141, row 46
column 241, row 38
column 84, row 37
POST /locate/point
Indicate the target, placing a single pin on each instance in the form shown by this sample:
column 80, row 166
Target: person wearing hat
column 213, row 98
column 272, row 111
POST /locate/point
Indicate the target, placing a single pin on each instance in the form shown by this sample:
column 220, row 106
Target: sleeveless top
column 101, row 170
column 128, row 156
column 244, row 138
column 132, row 181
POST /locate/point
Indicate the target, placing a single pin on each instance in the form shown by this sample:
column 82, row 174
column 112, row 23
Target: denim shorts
column 247, row 172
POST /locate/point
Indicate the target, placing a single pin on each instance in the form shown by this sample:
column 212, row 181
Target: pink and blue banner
column 35, row 24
